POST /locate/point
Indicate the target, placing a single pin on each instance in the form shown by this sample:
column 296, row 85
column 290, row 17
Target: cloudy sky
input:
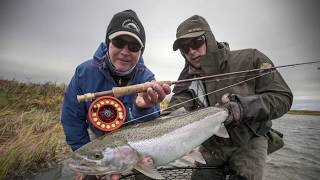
column 44, row 40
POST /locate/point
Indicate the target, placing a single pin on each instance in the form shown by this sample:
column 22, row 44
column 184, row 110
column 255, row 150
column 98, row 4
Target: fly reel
column 107, row 113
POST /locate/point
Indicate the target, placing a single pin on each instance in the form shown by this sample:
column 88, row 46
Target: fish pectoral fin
column 221, row 131
column 148, row 171
column 196, row 155
column 182, row 163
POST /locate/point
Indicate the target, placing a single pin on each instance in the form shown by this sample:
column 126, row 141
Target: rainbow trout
column 165, row 140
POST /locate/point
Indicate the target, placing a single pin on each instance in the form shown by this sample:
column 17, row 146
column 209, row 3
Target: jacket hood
column 100, row 54
column 215, row 58
column 209, row 65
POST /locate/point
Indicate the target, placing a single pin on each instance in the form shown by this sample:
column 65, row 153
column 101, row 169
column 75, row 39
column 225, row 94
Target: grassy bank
column 30, row 133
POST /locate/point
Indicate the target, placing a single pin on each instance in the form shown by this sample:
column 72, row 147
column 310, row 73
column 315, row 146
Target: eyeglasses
column 121, row 43
column 194, row 43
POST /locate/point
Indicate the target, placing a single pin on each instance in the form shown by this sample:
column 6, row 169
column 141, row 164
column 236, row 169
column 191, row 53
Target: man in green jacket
column 251, row 104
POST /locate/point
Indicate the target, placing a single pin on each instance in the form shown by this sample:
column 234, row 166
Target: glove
column 234, row 108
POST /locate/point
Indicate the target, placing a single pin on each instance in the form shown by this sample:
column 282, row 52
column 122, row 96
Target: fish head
column 97, row 158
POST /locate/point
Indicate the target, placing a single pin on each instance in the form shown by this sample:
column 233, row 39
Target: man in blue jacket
column 117, row 62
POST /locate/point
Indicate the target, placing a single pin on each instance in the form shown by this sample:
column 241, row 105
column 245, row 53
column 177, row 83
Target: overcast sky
column 44, row 40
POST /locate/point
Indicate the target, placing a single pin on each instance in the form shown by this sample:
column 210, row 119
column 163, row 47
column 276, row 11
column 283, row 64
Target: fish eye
column 97, row 155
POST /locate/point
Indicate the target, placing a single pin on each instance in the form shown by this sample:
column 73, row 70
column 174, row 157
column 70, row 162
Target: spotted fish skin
column 164, row 140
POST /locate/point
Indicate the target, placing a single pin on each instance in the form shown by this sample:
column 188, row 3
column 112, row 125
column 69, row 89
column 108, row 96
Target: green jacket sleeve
column 272, row 99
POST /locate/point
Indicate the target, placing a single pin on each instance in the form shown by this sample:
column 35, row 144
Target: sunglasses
column 121, row 43
column 193, row 43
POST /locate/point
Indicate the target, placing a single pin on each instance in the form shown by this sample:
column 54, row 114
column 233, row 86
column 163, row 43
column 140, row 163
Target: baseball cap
column 192, row 27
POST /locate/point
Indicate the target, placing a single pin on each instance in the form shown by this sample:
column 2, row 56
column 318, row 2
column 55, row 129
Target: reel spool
column 107, row 113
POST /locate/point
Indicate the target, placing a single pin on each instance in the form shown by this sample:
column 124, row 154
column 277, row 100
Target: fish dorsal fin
column 189, row 159
column 148, row 171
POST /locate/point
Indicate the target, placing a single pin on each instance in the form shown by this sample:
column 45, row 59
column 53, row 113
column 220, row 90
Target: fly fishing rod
column 123, row 91
column 107, row 113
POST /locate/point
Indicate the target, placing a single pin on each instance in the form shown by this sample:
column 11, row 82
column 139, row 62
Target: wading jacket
column 262, row 99
column 94, row 76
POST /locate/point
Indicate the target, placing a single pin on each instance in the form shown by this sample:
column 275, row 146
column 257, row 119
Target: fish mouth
column 85, row 169
column 79, row 165
column 88, row 169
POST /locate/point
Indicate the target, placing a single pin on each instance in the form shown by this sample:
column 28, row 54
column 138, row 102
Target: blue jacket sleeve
column 73, row 117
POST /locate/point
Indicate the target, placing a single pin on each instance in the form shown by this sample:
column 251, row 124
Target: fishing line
column 221, row 79
column 232, row 85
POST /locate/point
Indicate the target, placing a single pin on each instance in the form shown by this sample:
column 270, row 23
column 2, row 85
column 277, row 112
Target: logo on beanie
column 131, row 24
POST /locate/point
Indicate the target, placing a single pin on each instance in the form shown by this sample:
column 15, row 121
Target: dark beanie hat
column 126, row 23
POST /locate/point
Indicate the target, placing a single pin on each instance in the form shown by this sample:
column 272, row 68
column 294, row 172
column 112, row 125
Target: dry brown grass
column 30, row 132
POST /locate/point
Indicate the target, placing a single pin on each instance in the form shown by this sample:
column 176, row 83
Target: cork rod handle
column 122, row 91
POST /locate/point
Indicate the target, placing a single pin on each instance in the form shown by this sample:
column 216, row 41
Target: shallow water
column 299, row 159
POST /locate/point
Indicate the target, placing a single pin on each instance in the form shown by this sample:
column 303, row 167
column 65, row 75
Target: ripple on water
column 299, row 159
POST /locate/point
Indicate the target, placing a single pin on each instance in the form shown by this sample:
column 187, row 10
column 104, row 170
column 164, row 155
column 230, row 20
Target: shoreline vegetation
column 304, row 112
column 31, row 135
